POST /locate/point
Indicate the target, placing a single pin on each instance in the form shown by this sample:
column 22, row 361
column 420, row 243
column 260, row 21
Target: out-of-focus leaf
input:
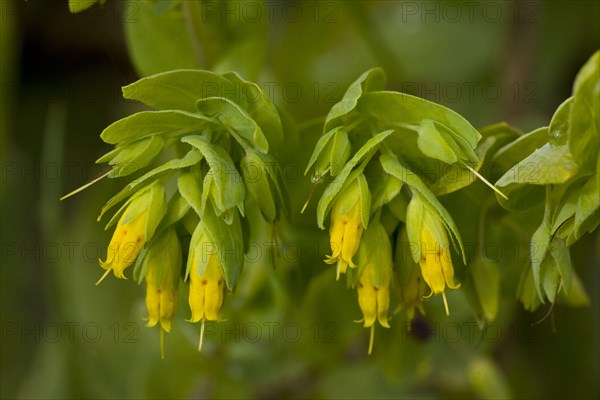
column 539, row 246
column 486, row 279
column 527, row 292
column 577, row 296
column 584, row 135
column 76, row 6
column 487, row 380
column 157, row 42
column 587, row 215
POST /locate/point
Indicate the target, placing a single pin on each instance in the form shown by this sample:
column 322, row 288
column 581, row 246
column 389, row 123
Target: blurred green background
column 288, row 330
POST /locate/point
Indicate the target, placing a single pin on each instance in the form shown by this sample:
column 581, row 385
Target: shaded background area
column 289, row 330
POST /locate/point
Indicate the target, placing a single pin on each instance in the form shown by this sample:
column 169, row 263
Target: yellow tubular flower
column 411, row 284
column 161, row 300
column 162, row 263
column 347, row 226
column 206, row 290
column 412, row 293
column 374, row 301
column 375, row 278
column 127, row 242
column 435, row 260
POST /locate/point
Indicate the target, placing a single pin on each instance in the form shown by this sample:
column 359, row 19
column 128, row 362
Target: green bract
column 559, row 167
column 201, row 115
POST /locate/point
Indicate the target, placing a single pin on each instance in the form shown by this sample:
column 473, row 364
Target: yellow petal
column 383, row 304
column 196, row 296
column 152, row 304
column 168, row 305
column 214, row 289
column 448, row 269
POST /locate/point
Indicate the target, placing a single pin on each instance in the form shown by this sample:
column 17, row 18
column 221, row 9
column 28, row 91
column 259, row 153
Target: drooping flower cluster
column 389, row 132
column 224, row 167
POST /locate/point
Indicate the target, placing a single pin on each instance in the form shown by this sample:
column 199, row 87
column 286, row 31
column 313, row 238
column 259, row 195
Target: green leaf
column 487, row 379
column 189, row 185
column 162, row 6
column 335, row 155
column 229, row 241
column 584, row 135
column 258, row 184
column 383, row 186
column 500, row 129
column 433, row 144
column 398, row 206
column 562, row 259
column 76, row 6
column 486, row 279
column 558, row 131
column 547, row 165
column 587, row 215
column 157, row 42
column 134, row 156
column 365, row 200
column 365, row 152
column 253, row 99
column 566, row 207
column 527, row 292
column 170, row 124
column 228, row 185
column 509, row 155
column 400, row 110
column 191, row 158
column 376, row 250
column 320, row 147
column 550, row 278
column 373, row 79
column 456, row 176
column 177, row 209
column 540, row 240
column 234, row 118
column 577, row 296
column 392, row 166
column 180, row 89
column 165, row 253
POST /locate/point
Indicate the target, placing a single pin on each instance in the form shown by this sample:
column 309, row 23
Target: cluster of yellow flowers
column 375, row 256
column 162, row 268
